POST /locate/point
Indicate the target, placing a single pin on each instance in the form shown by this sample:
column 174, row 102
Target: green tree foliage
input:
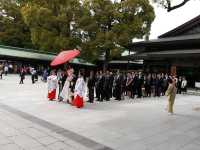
column 94, row 26
column 52, row 23
column 108, row 27
column 13, row 30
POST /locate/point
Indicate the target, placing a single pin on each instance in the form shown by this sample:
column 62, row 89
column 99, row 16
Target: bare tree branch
column 170, row 8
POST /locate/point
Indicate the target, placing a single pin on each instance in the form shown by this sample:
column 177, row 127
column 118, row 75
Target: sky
column 166, row 21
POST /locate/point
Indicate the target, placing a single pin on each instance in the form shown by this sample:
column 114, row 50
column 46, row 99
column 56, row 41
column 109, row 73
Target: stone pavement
column 29, row 122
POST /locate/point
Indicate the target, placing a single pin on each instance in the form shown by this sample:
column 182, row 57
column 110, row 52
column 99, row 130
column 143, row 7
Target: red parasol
column 64, row 57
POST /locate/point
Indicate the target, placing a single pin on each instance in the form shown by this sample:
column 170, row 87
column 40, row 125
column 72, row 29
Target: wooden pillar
column 173, row 70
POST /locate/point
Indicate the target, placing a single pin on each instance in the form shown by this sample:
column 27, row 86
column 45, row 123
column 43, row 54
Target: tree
column 167, row 4
column 52, row 23
column 95, row 26
column 13, row 30
column 108, row 27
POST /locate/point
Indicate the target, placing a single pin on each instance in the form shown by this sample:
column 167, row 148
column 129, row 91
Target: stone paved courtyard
column 28, row 121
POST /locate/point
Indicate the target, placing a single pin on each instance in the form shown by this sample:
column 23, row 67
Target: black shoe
column 89, row 101
column 118, row 99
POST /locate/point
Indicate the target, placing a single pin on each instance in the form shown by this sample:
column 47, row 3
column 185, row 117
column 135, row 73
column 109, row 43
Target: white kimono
column 66, row 92
column 52, row 82
column 80, row 87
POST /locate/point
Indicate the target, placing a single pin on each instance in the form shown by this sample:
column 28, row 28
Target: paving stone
column 25, row 141
column 130, row 124
column 9, row 131
column 173, row 143
column 33, row 132
column 197, row 141
column 60, row 146
column 192, row 146
column 47, row 140
column 4, row 140
column 10, row 147
column 39, row 148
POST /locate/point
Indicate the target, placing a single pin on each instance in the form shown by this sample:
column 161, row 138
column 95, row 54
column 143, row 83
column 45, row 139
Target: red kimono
column 79, row 93
column 52, row 94
column 52, row 85
column 78, row 102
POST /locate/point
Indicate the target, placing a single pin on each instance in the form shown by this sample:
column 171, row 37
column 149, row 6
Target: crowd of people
column 133, row 84
column 103, row 86
column 71, row 88
column 5, row 68
column 8, row 68
column 31, row 70
column 117, row 85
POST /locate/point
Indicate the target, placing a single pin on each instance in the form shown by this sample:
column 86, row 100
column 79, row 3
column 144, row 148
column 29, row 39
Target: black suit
column 100, row 85
column 91, row 85
column 134, row 87
column 118, row 87
column 106, row 86
column 111, row 85
column 139, row 86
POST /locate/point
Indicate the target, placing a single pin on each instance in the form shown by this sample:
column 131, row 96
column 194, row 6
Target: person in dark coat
column 111, row 85
column 139, row 86
column 158, row 85
column 123, row 87
column 162, row 84
column 114, row 86
column 106, row 86
column 118, row 86
column 153, row 85
column 100, row 85
column 62, row 83
column 36, row 75
column 22, row 76
column 91, row 85
column 96, row 84
column 179, row 83
column 33, row 72
column 129, row 84
column 134, row 85
column 147, row 85
column 165, row 83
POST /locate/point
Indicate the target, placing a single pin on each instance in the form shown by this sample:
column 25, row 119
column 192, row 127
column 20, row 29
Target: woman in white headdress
column 79, row 91
column 52, row 83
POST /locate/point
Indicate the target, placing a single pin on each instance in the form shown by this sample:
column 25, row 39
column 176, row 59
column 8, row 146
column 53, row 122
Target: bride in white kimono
column 66, row 91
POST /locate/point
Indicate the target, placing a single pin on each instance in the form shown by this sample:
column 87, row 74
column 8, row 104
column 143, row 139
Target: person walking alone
column 6, row 69
column 22, row 76
column 171, row 93
column 33, row 72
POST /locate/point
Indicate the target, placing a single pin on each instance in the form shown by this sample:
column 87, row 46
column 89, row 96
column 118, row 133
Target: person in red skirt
column 79, row 91
column 52, row 83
